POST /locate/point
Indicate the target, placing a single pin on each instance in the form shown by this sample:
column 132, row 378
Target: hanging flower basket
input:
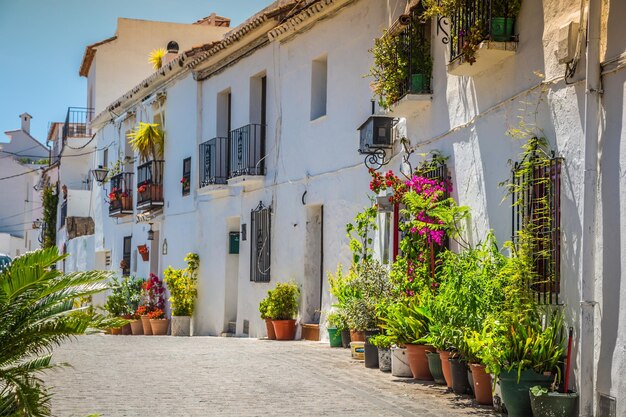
column 144, row 252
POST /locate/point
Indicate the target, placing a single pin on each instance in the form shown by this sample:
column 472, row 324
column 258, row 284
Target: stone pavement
column 154, row 376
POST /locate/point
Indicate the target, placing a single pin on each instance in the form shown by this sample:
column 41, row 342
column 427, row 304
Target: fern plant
column 36, row 306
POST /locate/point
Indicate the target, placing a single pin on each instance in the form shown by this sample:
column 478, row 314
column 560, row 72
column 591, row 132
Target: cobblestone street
column 208, row 376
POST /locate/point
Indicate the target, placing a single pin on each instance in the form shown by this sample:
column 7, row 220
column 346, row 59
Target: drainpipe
column 593, row 91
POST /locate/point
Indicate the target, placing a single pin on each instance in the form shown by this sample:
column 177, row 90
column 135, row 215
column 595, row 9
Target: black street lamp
column 100, row 174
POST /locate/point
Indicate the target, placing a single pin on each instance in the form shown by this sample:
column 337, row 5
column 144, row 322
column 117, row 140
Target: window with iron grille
column 186, row 179
column 126, row 255
column 260, row 251
column 536, row 210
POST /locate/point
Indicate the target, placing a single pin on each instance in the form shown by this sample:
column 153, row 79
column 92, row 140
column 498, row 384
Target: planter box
column 311, row 332
column 181, row 326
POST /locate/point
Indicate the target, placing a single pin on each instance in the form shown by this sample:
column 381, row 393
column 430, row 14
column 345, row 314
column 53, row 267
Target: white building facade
column 263, row 124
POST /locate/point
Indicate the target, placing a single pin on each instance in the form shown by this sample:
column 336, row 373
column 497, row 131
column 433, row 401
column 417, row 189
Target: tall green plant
column 36, row 309
column 182, row 284
column 50, row 201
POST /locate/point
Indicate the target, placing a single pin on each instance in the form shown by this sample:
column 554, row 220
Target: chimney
column 172, row 52
column 25, row 118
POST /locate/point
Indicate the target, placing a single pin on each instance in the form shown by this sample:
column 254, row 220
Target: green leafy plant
column 182, row 284
column 408, row 321
column 505, row 8
column 390, row 69
column 264, row 306
column 148, row 139
column 382, row 341
column 337, row 320
column 283, row 302
column 36, row 306
column 360, row 232
column 116, row 302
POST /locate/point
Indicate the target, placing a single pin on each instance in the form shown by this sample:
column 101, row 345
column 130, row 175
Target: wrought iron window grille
column 260, row 251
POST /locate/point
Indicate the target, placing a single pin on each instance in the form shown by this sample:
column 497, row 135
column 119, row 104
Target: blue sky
column 43, row 42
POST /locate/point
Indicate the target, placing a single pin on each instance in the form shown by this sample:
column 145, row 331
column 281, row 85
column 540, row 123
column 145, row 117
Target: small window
column 260, row 254
column 319, row 81
column 186, row 179
column 105, row 158
column 125, row 264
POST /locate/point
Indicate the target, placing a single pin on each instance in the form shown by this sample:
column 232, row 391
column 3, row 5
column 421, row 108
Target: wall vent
column 107, row 258
column 606, row 406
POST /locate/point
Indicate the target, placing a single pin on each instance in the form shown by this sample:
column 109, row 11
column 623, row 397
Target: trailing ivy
column 50, row 202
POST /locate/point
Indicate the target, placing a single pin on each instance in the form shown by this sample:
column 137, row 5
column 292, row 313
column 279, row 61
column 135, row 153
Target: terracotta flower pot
column 126, row 331
column 147, row 328
column 284, row 329
column 159, row 326
column 271, row 334
column 419, row 362
column 116, row 331
column 482, row 384
column 136, row 328
column 357, row 336
column 446, row 367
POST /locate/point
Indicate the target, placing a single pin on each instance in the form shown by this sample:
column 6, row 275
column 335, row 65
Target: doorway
column 313, row 264
column 231, row 284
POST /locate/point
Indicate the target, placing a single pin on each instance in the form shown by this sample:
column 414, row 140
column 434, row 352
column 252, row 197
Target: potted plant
column 130, row 288
column 158, row 322
column 421, row 67
column 503, row 15
column 152, row 298
column 407, row 322
column 283, row 308
column 147, row 139
column 182, row 286
column 335, row 324
column 383, row 342
column 263, row 309
column 546, row 402
column 116, row 305
column 343, row 293
column 144, row 252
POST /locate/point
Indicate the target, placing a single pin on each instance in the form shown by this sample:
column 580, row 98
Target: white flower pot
column 181, row 326
column 400, row 363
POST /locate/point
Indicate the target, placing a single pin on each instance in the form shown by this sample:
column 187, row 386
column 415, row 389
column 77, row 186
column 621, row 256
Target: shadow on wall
column 611, row 267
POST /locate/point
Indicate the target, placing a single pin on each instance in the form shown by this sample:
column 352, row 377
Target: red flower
column 156, row 314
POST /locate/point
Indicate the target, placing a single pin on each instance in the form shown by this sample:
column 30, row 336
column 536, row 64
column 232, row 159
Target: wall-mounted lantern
column 376, row 135
column 100, row 174
column 150, row 233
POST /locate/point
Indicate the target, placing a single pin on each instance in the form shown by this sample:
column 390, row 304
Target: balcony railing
column 63, row 213
column 150, row 185
column 121, row 195
column 214, row 162
column 247, row 150
column 76, row 123
column 414, row 45
column 476, row 21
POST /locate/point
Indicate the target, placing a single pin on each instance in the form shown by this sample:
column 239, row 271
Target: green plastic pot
column 434, row 364
column 502, row 28
column 418, row 83
column 516, row 395
column 334, row 337
column 554, row 404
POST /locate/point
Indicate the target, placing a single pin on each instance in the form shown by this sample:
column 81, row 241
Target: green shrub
column 283, row 301
column 182, row 285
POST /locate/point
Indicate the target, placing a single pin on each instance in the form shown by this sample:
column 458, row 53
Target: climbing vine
column 50, row 202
